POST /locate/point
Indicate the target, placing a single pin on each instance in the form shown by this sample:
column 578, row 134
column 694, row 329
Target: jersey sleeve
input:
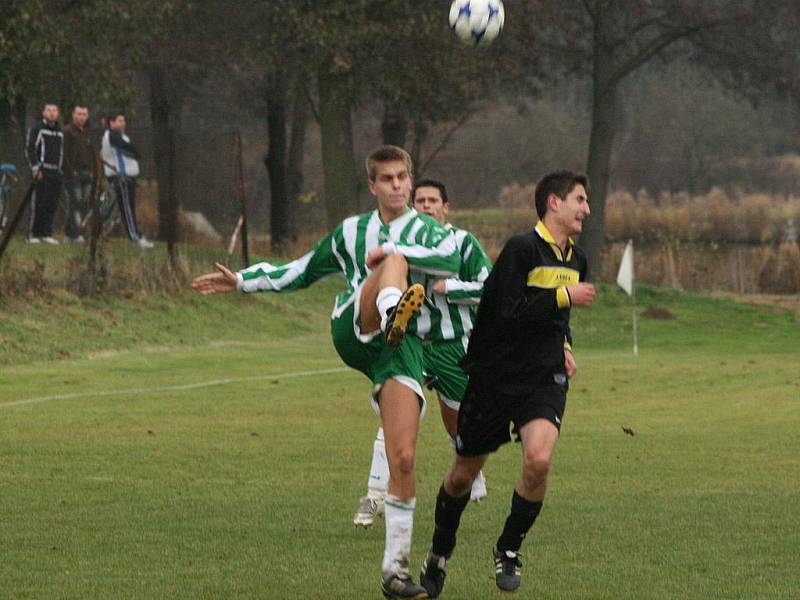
column 584, row 271
column 320, row 262
column 522, row 304
column 433, row 251
column 467, row 288
column 32, row 150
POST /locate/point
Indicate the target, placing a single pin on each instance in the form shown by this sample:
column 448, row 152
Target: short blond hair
column 387, row 153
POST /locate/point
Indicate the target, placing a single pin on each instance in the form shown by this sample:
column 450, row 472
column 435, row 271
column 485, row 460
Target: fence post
column 242, row 200
column 17, row 216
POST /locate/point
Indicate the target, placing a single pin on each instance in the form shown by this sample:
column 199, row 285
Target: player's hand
column 440, row 286
column 215, row 283
column 375, row 257
column 38, row 175
column 581, row 294
column 569, row 363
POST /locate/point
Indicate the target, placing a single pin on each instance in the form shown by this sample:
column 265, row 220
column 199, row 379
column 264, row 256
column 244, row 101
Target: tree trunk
column 601, row 142
column 165, row 112
column 276, row 159
column 12, row 133
column 394, row 126
column 294, row 167
column 338, row 157
column 6, row 131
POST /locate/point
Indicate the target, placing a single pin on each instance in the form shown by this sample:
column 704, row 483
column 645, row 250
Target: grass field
column 187, row 447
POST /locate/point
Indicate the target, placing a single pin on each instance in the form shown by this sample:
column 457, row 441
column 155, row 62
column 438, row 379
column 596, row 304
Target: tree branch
column 446, row 139
column 627, row 35
column 649, row 51
column 590, row 10
column 311, row 105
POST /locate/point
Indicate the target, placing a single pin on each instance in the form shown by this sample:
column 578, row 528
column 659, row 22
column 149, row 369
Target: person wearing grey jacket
column 121, row 168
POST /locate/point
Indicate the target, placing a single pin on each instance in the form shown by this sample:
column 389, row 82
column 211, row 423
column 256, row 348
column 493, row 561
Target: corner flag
column 625, row 274
column 625, row 281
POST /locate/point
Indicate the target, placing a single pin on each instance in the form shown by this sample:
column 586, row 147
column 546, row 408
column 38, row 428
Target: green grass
column 118, row 483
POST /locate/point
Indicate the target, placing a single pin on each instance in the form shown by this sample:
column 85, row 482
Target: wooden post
column 17, row 216
column 242, row 200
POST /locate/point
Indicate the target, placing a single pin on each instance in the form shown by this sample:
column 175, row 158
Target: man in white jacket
column 121, row 168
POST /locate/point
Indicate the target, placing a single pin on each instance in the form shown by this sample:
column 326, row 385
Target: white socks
column 378, row 481
column 387, row 299
column 399, row 517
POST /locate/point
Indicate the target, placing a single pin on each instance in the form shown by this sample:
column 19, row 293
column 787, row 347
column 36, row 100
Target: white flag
column 625, row 274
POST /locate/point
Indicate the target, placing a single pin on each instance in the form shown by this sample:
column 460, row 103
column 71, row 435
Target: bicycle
column 107, row 203
column 8, row 172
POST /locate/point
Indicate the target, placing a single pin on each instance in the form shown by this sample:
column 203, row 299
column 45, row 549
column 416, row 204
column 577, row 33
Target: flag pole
column 633, row 300
column 625, row 280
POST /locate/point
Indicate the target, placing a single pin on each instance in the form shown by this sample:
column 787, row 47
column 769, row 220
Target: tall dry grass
column 714, row 217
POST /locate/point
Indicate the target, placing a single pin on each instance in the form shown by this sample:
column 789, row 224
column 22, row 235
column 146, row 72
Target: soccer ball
column 477, row 22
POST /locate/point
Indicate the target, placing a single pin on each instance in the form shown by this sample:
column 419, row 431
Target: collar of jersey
column 544, row 233
column 409, row 212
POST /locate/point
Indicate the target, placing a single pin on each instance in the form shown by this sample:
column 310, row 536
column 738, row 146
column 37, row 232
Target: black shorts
column 485, row 414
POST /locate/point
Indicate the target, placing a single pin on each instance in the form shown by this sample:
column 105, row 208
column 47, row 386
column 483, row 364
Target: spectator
column 45, row 150
column 121, row 167
column 79, row 171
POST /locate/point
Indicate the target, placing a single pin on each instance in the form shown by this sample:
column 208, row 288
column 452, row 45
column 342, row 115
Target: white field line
column 172, row 388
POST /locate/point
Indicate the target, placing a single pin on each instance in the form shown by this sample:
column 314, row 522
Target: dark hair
column 112, row 116
column 430, row 183
column 388, row 153
column 49, row 102
column 560, row 183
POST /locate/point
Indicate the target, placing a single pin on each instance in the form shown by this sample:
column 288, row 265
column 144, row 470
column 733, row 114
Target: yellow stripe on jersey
column 552, row 277
column 562, row 297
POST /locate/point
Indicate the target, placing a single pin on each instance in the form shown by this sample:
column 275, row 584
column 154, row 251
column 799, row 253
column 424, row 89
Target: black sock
column 519, row 521
column 448, row 516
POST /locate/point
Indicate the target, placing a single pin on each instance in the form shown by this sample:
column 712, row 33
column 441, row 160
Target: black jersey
column 522, row 326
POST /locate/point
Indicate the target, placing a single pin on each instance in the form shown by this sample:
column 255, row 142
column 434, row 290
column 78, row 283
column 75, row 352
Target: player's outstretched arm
column 215, row 283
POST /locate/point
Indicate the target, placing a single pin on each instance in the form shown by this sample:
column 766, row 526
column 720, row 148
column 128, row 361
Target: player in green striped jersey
column 452, row 304
column 384, row 255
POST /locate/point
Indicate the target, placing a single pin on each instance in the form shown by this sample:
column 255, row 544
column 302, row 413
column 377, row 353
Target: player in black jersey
column 519, row 361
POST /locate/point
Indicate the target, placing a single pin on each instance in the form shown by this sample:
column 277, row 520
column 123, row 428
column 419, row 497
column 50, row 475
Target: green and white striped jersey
column 452, row 314
column 427, row 246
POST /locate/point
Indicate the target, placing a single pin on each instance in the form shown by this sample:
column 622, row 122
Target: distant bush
column 715, row 217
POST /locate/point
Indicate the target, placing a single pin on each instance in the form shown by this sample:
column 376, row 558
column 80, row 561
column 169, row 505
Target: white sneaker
column 368, row 509
column 34, row 240
column 80, row 239
column 478, row 491
column 144, row 243
column 50, row 240
column 76, row 240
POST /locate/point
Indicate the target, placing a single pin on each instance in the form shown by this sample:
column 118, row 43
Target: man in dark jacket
column 45, row 150
column 519, row 363
column 79, row 171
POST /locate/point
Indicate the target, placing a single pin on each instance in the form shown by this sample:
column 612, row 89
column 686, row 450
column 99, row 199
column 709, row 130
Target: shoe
column 432, row 575
column 50, row 240
column 76, row 240
column 34, row 240
column 368, row 509
column 144, row 243
column 507, row 570
column 406, row 309
column 478, row 491
column 398, row 587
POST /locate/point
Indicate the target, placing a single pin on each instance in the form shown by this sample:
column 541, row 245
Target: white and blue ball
column 477, row 22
